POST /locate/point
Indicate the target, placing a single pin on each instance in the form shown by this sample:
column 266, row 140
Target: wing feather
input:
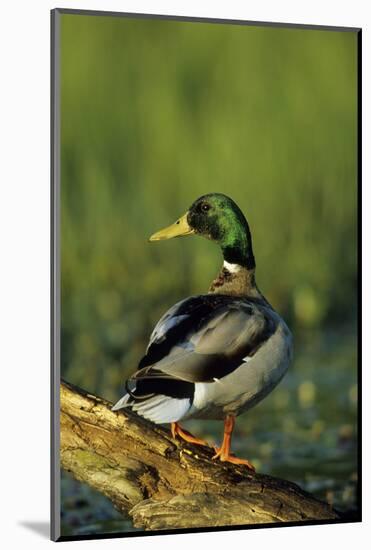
column 205, row 339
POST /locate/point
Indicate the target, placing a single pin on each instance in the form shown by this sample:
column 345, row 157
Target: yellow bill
column 178, row 229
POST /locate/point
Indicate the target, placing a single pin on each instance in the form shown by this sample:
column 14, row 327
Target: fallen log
column 166, row 484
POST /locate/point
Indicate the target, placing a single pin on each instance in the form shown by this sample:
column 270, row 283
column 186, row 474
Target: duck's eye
column 205, row 207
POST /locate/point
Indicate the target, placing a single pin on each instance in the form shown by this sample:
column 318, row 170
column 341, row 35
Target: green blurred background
column 155, row 113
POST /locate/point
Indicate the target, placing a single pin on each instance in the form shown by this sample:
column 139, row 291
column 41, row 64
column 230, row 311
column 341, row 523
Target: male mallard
column 218, row 354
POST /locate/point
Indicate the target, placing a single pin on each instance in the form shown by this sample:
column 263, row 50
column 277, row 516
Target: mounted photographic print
column 205, row 306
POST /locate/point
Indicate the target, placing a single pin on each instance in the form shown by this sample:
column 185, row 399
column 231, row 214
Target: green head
column 218, row 218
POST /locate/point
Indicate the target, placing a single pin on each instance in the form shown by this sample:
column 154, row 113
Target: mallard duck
column 215, row 355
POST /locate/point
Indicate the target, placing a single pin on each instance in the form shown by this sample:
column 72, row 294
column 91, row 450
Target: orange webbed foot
column 186, row 436
column 224, row 452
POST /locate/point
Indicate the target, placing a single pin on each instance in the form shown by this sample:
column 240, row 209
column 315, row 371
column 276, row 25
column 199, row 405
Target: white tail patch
column 147, row 404
column 121, row 403
column 162, row 409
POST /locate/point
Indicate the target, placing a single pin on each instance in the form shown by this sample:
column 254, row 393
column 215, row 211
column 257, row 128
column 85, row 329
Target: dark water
column 305, row 431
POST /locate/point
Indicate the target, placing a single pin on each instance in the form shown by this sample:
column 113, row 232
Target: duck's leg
column 177, row 430
column 224, row 452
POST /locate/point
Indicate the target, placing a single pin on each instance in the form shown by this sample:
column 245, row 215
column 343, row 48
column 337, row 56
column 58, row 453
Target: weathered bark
column 167, row 484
